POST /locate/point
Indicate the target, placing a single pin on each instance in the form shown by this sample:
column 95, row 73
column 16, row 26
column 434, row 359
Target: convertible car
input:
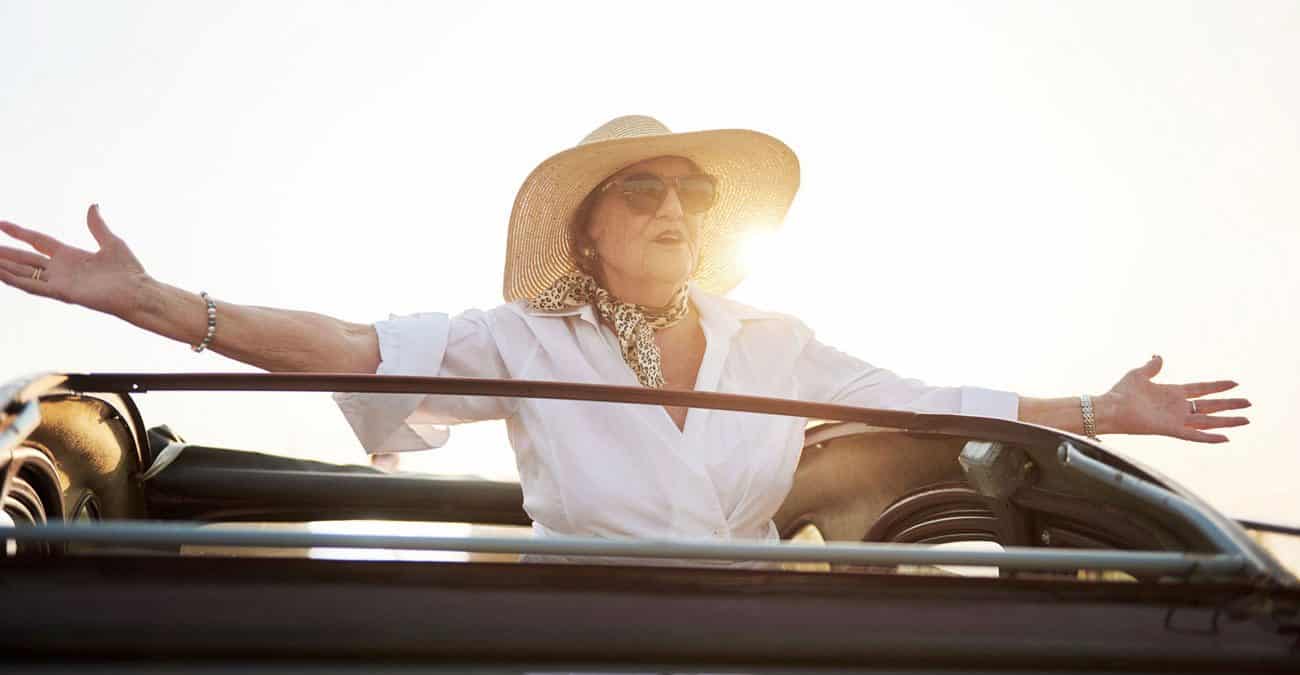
column 910, row 543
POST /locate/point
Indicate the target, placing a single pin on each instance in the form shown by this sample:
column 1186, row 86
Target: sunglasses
column 646, row 192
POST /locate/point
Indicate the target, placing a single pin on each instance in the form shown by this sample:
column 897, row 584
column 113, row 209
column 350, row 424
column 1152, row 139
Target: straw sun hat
column 757, row 178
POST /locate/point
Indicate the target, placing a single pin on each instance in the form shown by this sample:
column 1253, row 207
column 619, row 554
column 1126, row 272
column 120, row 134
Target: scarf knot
column 633, row 324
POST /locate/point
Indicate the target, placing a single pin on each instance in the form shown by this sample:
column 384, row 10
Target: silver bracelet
column 1089, row 420
column 212, row 323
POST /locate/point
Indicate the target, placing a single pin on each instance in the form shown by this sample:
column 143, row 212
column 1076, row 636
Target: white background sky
column 1030, row 196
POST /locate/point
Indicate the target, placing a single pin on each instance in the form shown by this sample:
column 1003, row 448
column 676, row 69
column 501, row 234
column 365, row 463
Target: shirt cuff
column 409, row 345
column 982, row 402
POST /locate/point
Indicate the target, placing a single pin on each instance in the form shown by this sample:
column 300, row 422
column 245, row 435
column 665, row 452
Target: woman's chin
column 665, row 266
column 674, row 271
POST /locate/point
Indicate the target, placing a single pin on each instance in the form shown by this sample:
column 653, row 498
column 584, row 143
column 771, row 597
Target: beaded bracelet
column 212, row 323
column 1089, row 420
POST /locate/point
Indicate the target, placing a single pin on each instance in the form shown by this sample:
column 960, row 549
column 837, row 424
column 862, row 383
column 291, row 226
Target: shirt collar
column 724, row 316
column 586, row 312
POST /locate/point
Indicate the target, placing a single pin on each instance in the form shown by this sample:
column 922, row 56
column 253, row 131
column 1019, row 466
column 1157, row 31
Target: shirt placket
column 693, row 447
column 700, row 495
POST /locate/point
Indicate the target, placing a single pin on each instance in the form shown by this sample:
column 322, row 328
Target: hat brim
column 758, row 177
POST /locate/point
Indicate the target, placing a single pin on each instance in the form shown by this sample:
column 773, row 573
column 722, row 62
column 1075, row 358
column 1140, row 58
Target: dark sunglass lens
column 697, row 193
column 644, row 193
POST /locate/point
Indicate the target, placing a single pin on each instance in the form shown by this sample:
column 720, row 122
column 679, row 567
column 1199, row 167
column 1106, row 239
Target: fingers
column 1194, row 390
column 1151, row 368
column 18, row 269
column 17, row 255
column 1201, row 436
column 1213, row 405
column 1209, row 422
column 41, row 242
column 1203, row 420
column 1198, row 389
column 20, row 281
column 388, row 461
column 98, row 228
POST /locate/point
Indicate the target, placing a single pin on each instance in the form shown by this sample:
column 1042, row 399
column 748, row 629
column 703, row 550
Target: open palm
column 101, row 280
column 1145, row 407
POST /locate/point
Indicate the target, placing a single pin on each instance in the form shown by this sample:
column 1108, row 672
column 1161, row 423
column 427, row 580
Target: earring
column 590, row 253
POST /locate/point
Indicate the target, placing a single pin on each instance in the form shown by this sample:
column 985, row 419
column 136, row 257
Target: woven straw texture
column 757, row 179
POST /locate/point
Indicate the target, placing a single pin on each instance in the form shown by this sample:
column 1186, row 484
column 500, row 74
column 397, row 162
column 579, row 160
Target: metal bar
column 155, row 534
column 472, row 386
column 1269, row 527
column 950, row 424
column 1160, row 499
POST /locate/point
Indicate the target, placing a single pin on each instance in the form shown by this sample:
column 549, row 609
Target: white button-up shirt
column 625, row 470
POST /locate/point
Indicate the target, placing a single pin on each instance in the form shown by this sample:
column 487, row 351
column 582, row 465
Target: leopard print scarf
column 634, row 325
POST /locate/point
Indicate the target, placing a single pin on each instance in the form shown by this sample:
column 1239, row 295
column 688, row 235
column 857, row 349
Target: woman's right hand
column 107, row 280
column 112, row 280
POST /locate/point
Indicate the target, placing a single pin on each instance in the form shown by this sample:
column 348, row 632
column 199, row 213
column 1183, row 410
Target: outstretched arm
column 1136, row 405
column 113, row 281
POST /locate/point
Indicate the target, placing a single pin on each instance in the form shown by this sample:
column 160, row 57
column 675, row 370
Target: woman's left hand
column 1136, row 405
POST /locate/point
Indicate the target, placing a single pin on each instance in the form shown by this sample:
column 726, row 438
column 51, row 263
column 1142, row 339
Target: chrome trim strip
column 1161, row 500
column 121, row 533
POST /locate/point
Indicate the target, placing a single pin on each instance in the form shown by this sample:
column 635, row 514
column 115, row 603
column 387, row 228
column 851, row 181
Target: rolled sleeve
column 983, row 402
column 410, row 345
column 827, row 374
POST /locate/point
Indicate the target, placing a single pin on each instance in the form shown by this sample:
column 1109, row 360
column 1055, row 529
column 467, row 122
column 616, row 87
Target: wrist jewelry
column 1089, row 420
column 212, row 323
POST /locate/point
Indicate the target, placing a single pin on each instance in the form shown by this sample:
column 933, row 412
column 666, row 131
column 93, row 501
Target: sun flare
column 757, row 249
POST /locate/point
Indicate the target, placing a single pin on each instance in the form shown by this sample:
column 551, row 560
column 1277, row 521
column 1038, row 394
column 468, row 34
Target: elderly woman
column 620, row 250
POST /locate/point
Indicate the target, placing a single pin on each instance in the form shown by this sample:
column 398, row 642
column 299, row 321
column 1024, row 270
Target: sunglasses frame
column 673, row 183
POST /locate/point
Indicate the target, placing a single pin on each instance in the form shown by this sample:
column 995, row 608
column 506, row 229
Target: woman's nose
column 671, row 206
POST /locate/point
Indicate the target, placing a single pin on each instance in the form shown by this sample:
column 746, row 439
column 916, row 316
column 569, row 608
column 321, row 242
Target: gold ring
column 36, row 273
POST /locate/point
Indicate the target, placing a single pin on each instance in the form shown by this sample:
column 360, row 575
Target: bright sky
column 1022, row 195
